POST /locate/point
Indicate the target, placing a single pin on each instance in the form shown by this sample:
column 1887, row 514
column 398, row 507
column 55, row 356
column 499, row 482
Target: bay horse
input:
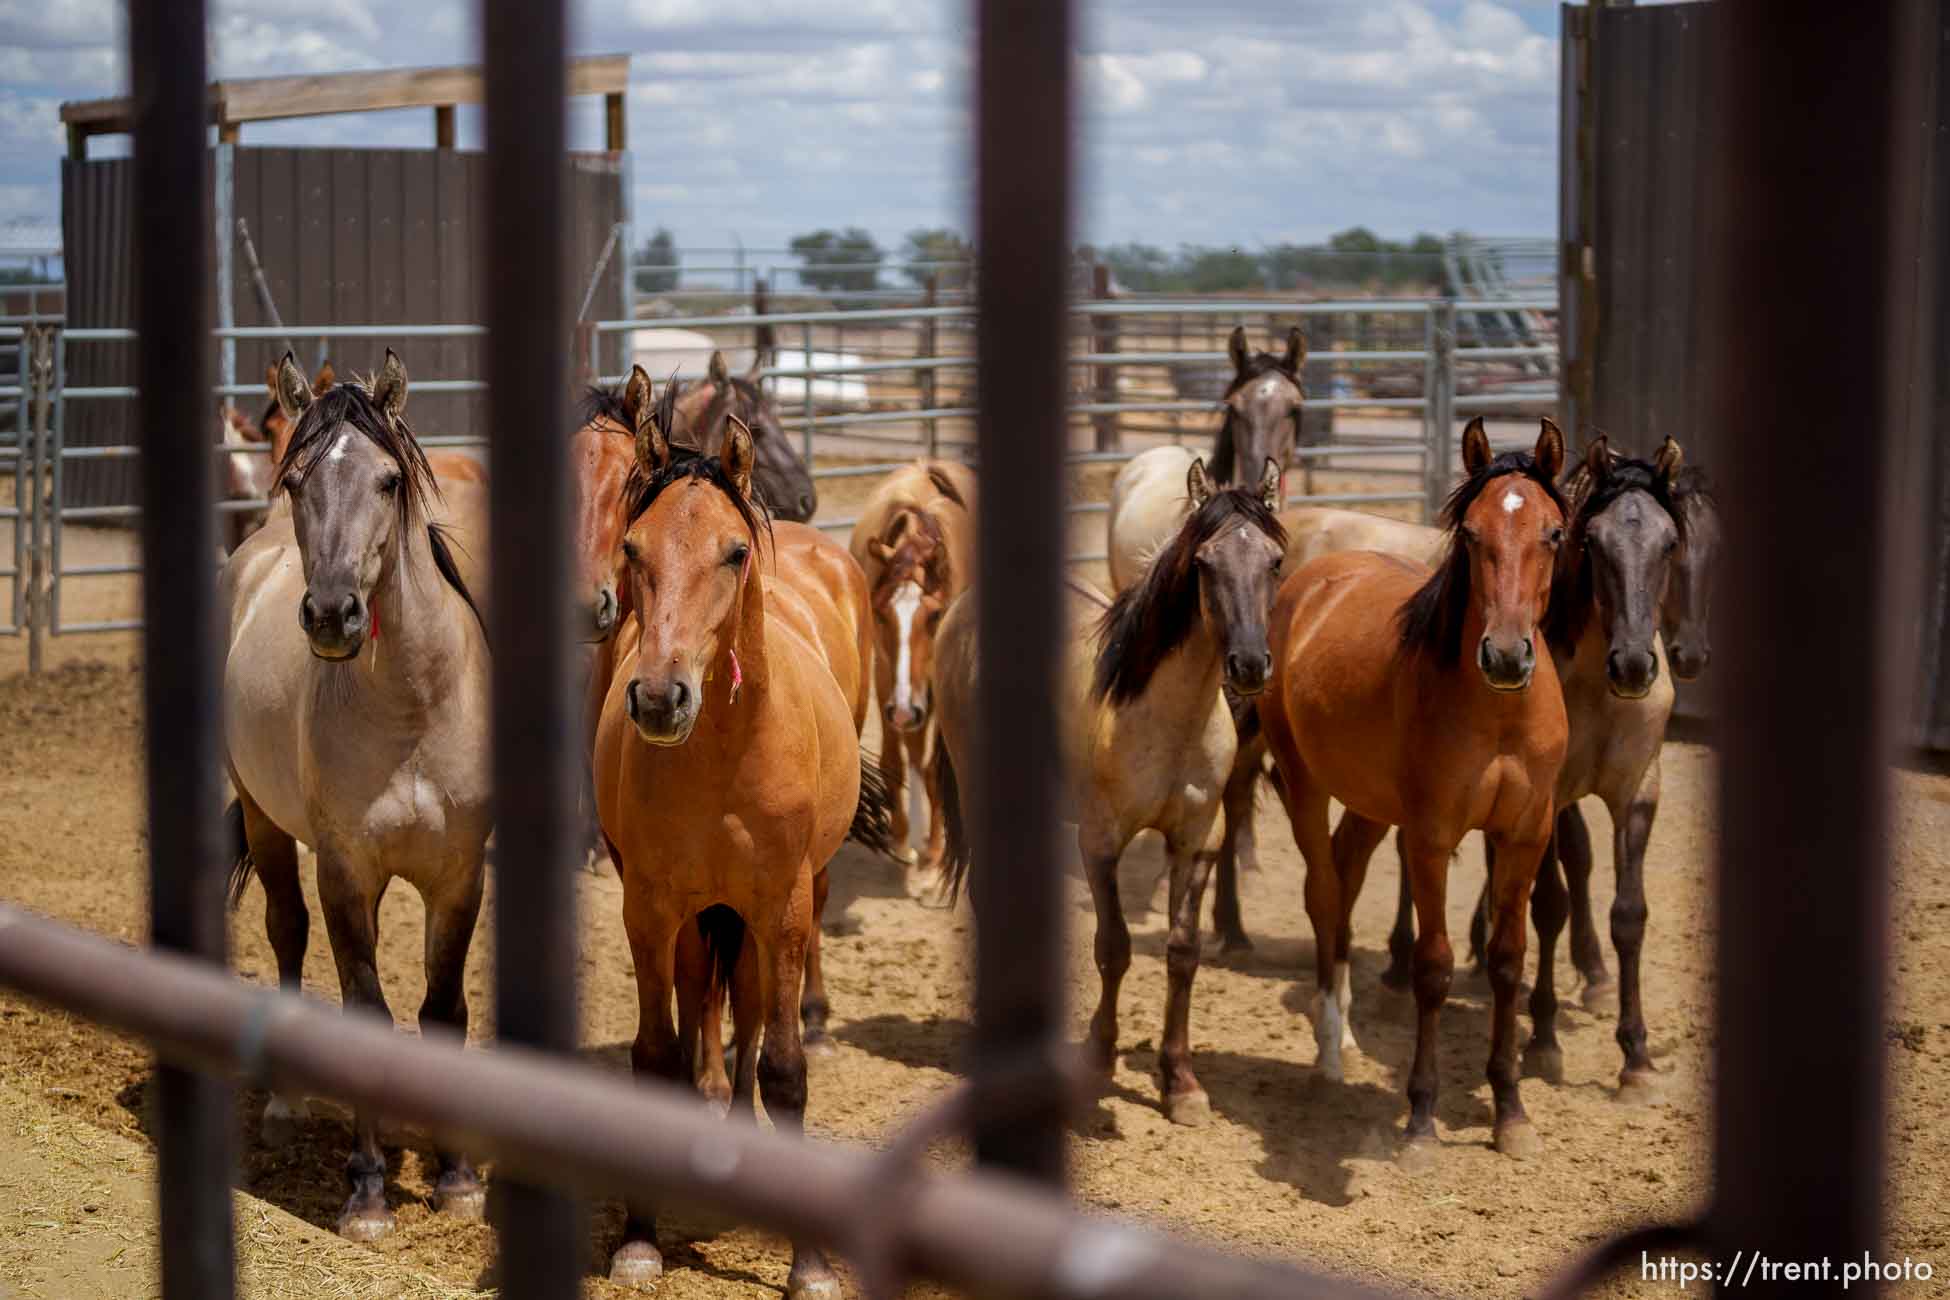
column 1372, row 702
column 1150, row 740
column 915, row 540
column 728, row 771
column 783, row 480
column 356, row 720
column 1260, row 422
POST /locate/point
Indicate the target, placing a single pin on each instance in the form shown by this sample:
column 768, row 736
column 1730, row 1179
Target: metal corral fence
column 1130, row 364
column 1802, row 903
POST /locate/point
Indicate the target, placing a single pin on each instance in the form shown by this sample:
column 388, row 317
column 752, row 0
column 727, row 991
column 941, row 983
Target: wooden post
column 762, row 340
column 443, row 126
column 229, row 132
column 584, row 361
column 615, row 128
column 924, row 379
column 77, row 142
column 1104, row 340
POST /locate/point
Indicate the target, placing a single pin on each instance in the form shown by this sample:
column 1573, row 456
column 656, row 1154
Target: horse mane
column 945, row 485
column 912, row 518
column 1432, row 619
column 1571, row 588
column 1223, row 446
column 1152, row 617
column 600, row 402
column 687, row 463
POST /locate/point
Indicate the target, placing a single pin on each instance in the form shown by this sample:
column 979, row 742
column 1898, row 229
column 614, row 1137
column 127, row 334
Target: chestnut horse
column 915, row 540
column 356, row 720
column 728, row 771
column 1372, row 703
column 1150, row 739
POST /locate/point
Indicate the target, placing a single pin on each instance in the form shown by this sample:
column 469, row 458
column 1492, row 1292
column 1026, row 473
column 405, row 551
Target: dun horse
column 782, row 480
column 728, row 770
column 356, row 720
column 1150, row 740
column 915, row 540
column 1373, row 703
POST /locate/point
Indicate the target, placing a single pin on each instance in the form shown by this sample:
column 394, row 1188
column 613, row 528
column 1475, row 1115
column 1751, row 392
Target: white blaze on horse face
column 338, row 448
column 1512, row 502
column 1269, row 386
column 907, row 603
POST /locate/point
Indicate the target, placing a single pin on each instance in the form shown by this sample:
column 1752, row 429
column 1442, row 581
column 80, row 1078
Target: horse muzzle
column 1507, row 668
column 1631, row 673
column 335, row 626
column 663, row 715
column 1688, row 662
column 602, row 617
column 908, row 717
column 1246, row 674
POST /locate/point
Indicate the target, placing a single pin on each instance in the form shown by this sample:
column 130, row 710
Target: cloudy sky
column 1247, row 121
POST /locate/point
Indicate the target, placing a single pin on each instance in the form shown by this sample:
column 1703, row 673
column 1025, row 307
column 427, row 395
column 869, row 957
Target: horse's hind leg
column 700, row 1016
column 287, row 924
column 782, row 1062
column 1427, row 865
column 1600, row 993
column 1185, row 1101
column 1542, row 1056
column 1238, row 846
column 451, row 915
column 1112, row 947
column 893, row 767
column 1400, row 974
column 1638, row 1081
column 813, row 1007
column 922, row 751
column 1354, row 843
column 656, row 1053
column 1516, row 867
column 351, row 903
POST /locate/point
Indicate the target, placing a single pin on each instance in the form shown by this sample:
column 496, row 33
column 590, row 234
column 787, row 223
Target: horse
column 783, row 480
column 915, row 540
column 728, row 770
column 1371, row 703
column 360, row 726
column 1149, row 738
column 1261, row 422
column 249, row 473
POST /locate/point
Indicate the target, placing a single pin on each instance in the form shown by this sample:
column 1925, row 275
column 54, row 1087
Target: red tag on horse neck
column 374, row 634
column 737, row 676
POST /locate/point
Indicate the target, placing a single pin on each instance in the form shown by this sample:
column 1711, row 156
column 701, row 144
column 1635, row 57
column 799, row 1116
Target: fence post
column 1442, row 398
column 53, row 444
column 37, row 377
column 924, row 379
column 805, row 379
column 1104, row 340
column 762, row 341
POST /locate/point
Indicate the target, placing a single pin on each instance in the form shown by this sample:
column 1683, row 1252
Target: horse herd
column 1481, row 676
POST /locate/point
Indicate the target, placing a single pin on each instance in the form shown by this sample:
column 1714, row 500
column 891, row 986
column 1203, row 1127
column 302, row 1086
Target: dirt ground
column 1291, row 1166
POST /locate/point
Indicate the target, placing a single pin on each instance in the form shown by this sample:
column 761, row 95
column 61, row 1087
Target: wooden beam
column 615, row 124
column 264, row 99
column 77, row 141
column 443, row 126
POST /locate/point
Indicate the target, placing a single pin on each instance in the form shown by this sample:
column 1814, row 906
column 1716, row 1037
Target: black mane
column 687, row 463
column 1432, row 619
column 1152, row 617
column 604, row 403
column 1694, row 482
column 1224, row 446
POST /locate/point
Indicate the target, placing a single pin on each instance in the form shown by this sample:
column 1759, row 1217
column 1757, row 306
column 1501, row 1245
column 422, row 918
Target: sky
column 1241, row 123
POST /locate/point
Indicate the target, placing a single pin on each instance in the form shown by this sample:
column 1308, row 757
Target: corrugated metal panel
column 95, row 199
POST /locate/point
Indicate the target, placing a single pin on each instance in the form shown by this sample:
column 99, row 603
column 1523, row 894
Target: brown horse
column 728, row 770
column 356, row 720
column 1261, row 407
column 781, row 477
column 1372, row 703
column 1150, row 740
column 915, row 540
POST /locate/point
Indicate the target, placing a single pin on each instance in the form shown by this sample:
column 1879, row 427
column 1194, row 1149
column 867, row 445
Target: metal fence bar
column 1023, row 152
column 523, row 43
column 194, row 1129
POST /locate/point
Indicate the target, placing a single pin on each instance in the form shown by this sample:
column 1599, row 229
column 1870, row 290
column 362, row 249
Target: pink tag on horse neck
column 737, row 675
column 374, row 634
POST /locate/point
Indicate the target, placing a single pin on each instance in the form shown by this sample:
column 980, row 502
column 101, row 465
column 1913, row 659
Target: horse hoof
column 636, row 1265
column 820, row 1046
column 1418, row 1155
column 1330, row 1067
column 815, row 1288
column 1397, row 978
column 281, row 1122
column 1235, row 943
column 904, row 854
column 1191, row 1109
column 1601, row 998
column 461, row 1198
column 1638, row 1088
column 366, row 1226
column 1544, row 1061
column 1517, row 1139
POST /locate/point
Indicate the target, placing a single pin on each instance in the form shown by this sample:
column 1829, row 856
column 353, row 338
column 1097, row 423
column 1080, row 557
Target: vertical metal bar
column 523, row 43
column 805, row 363
column 226, row 244
column 27, row 481
column 1023, row 177
column 925, row 379
column 1441, row 449
column 1816, row 884
column 53, row 442
column 1431, row 376
column 180, row 659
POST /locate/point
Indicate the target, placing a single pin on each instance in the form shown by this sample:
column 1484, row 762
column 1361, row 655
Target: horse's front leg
column 350, row 896
column 1542, row 1056
column 1185, row 1101
column 1112, row 948
column 1427, row 865
column 893, row 769
column 1638, row 1081
column 921, row 749
column 1517, row 860
column 287, row 923
column 1400, row 974
column 657, row 1053
column 451, row 915
column 1600, row 992
column 1238, row 850
column 813, row 1007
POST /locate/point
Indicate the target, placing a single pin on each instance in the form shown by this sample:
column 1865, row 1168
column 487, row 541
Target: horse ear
column 1236, row 349
column 719, row 371
column 322, row 382
column 1597, row 458
column 637, row 401
column 753, row 371
column 1550, row 448
column 652, row 441
column 1269, row 484
column 879, row 550
column 1198, row 484
column 739, row 455
column 1669, row 461
column 1475, row 447
column 389, row 390
column 1296, row 351
column 289, row 389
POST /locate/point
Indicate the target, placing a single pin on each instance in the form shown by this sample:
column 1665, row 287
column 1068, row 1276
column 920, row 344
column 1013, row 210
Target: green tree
column 942, row 253
column 657, row 263
column 846, row 261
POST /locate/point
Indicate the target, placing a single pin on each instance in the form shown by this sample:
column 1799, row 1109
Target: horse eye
column 292, row 482
column 1553, row 537
column 737, row 556
column 934, row 619
column 390, row 484
column 629, row 551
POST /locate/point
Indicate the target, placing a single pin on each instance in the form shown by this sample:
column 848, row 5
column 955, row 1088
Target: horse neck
column 426, row 631
column 1186, row 681
column 754, row 661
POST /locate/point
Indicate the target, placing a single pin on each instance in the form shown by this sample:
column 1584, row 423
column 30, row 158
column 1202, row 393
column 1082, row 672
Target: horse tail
column 873, row 816
column 957, row 852
column 723, row 931
column 242, row 865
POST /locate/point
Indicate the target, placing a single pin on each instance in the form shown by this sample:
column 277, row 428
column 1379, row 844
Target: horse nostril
column 808, row 503
column 1529, row 651
column 680, row 697
column 307, row 613
column 349, row 612
column 605, row 610
column 630, row 705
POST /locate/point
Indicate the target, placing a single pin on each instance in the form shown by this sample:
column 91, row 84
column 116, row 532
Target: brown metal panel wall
column 95, row 234
column 1932, row 414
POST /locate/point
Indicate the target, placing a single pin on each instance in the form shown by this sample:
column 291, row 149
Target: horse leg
column 1185, row 1101
column 1479, row 920
column 1112, row 948
column 1638, row 1081
column 449, row 931
column 782, row 1063
column 287, row 924
column 1239, row 845
column 1542, row 1056
column 1354, row 843
column 656, row 1053
column 1401, row 940
column 747, row 1019
column 351, row 905
column 700, row 1018
column 1427, row 866
column 922, row 751
column 1517, row 865
column 893, row 768
column 813, row 1007
column 1600, row 993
